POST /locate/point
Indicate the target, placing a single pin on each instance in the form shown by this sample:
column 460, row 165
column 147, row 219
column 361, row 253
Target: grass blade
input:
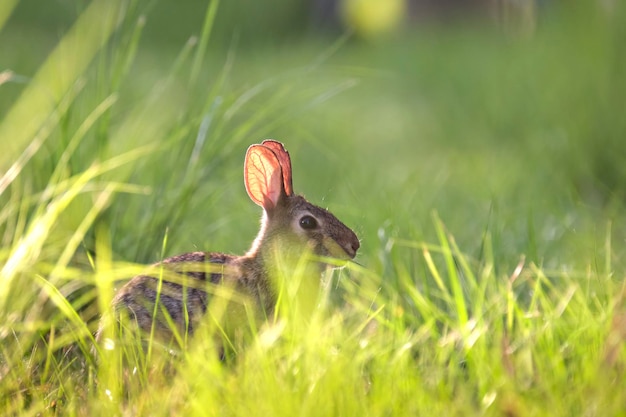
column 57, row 75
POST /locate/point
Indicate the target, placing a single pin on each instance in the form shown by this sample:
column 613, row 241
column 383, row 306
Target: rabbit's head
column 289, row 220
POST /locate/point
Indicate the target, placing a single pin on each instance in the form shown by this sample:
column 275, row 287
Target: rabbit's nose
column 352, row 246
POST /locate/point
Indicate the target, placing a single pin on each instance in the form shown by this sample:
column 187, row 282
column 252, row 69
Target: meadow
column 482, row 170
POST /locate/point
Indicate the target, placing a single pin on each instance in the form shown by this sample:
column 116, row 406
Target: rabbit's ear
column 285, row 163
column 263, row 177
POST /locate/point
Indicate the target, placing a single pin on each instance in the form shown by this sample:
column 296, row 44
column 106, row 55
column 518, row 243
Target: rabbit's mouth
column 350, row 248
column 335, row 250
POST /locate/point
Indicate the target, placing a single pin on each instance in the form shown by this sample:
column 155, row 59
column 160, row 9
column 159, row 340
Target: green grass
column 483, row 173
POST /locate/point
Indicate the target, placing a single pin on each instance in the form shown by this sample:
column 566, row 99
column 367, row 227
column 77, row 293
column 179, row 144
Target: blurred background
column 272, row 20
column 505, row 117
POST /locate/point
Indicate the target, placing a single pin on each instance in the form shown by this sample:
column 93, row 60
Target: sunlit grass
column 490, row 278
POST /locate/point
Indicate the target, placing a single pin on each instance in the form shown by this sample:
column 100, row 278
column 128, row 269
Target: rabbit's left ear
column 284, row 161
column 263, row 176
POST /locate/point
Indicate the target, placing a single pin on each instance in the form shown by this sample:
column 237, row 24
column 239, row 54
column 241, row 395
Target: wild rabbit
column 174, row 297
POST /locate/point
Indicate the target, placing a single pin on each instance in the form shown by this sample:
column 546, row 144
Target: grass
column 482, row 173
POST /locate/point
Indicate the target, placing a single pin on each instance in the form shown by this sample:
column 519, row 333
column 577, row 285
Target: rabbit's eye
column 308, row 222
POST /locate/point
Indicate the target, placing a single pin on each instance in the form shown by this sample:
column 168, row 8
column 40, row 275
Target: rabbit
column 290, row 226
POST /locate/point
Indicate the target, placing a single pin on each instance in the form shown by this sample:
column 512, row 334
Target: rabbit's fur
column 290, row 227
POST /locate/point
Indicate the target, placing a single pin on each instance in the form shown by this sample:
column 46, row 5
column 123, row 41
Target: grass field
column 483, row 171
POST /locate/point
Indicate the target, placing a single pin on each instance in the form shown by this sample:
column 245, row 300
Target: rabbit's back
column 179, row 285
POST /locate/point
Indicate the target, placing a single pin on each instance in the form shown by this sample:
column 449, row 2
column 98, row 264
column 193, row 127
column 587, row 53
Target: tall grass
column 100, row 177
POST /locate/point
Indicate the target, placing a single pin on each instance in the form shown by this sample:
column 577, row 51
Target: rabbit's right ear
column 263, row 176
column 284, row 160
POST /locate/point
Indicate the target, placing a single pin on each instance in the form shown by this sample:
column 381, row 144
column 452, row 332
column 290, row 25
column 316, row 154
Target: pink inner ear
column 284, row 161
column 262, row 176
